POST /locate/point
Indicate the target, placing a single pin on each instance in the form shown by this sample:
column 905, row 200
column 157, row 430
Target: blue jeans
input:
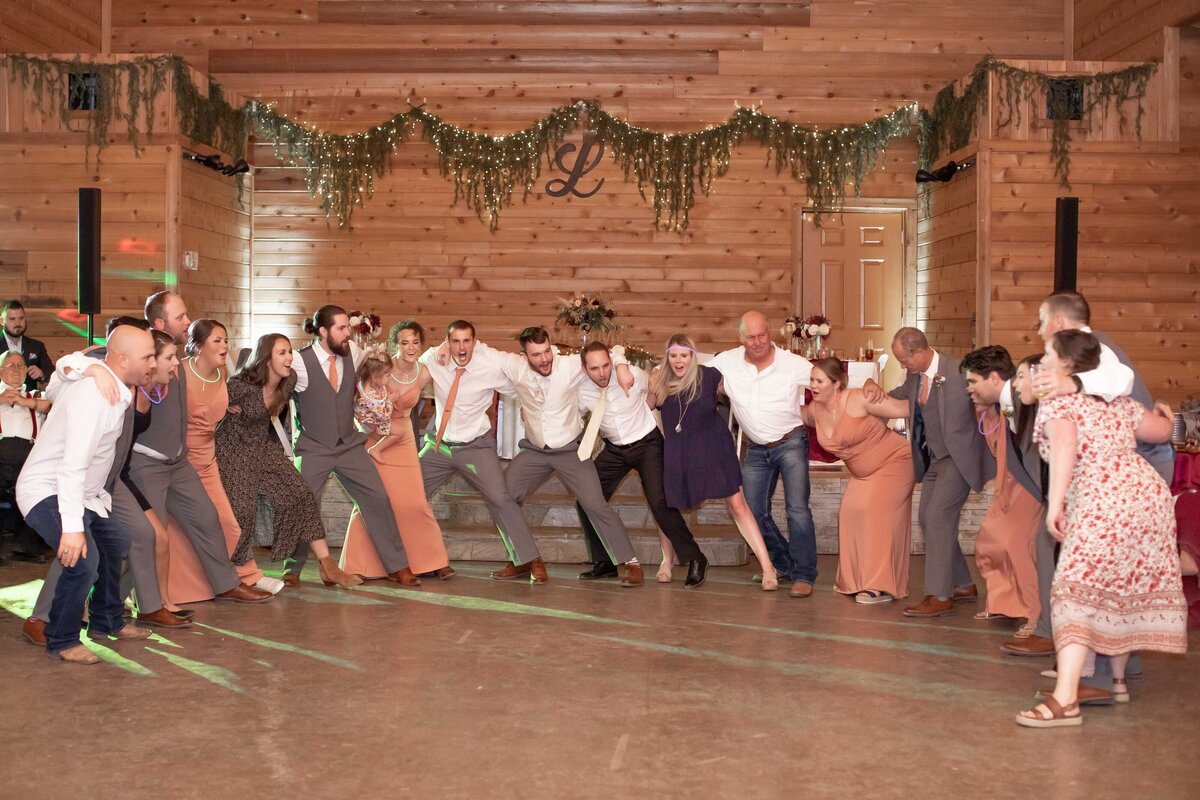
column 796, row 555
column 107, row 545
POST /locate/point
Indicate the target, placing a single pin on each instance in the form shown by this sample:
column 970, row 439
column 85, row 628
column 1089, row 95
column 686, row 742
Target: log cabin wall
column 1118, row 30
column 53, row 26
column 947, row 254
column 496, row 66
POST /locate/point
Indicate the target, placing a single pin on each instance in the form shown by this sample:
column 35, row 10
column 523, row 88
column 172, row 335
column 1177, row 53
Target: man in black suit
column 38, row 366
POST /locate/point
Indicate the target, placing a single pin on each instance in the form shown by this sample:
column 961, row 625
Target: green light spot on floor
column 484, row 604
column 889, row 644
column 287, row 648
column 110, row 656
column 262, row 663
column 879, row 682
column 210, row 672
column 19, row 599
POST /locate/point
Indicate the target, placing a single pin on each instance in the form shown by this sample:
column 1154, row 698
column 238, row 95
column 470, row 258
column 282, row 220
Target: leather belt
column 784, row 438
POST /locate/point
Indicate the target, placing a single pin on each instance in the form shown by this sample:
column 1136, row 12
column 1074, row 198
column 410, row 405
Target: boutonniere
column 938, row 380
column 1008, row 412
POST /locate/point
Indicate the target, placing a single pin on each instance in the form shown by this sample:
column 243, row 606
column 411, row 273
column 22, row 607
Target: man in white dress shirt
column 632, row 441
column 329, row 442
column 22, row 413
column 765, row 386
column 61, row 493
column 547, row 385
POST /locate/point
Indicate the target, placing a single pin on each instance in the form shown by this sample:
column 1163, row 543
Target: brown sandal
column 1058, row 715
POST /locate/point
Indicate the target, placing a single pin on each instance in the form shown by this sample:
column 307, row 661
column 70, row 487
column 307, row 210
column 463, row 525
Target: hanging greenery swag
column 488, row 170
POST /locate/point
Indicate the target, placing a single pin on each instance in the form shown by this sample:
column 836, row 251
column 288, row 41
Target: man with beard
column 330, row 443
column 37, row 361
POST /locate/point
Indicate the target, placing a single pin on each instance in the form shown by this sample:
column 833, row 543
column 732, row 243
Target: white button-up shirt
column 482, row 379
column 627, row 419
column 323, row 357
column 16, row 421
column 549, row 403
column 766, row 402
column 74, row 452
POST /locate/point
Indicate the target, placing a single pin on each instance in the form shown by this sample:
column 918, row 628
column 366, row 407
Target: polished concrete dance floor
column 472, row 688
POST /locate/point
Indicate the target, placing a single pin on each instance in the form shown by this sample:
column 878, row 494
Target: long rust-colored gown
column 875, row 518
column 1004, row 549
column 400, row 469
column 207, row 405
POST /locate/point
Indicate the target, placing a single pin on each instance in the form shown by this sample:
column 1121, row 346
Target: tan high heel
column 332, row 574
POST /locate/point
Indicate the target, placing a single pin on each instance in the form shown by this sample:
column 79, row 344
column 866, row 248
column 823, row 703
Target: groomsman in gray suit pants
column 330, row 444
column 950, row 459
column 548, row 386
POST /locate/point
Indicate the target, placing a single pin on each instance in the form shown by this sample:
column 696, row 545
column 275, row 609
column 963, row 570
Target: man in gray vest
column 950, row 459
column 330, row 443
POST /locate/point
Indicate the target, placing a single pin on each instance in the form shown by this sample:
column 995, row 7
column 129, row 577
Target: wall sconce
column 213, row 162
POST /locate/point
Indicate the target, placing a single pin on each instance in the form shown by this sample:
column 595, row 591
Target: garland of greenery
column 948, row 124
column 340, row 169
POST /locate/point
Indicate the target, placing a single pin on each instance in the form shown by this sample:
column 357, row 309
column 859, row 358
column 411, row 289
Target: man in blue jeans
column 765, row 385
column 63, row 493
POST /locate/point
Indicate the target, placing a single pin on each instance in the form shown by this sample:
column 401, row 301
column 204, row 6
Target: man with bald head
column 765, row 385
column 63, row 491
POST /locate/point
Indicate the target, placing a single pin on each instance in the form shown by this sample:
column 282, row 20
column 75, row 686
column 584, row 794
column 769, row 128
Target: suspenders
column 32, row 419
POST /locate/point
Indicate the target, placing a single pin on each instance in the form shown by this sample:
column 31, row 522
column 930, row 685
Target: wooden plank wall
column 1121, row 30
column 947, row 249
column 38, row 209
column 347, row 64
column 52, row 26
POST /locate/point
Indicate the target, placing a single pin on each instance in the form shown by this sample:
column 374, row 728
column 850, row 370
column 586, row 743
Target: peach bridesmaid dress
column 1004, row 550
column 875, row 518
column 400, row 469
column 207, row 404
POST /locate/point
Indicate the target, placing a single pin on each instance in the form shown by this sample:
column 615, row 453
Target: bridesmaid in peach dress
column 387, row 392
column 208, row 400
column 874, row 521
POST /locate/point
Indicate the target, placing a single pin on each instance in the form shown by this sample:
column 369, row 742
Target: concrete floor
column 471, row 688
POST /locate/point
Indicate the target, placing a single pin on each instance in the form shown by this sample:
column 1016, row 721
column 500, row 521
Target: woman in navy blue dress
column 699, row 459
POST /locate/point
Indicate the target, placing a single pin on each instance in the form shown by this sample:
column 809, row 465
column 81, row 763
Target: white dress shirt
column 74, row 452
column 481, row 380
column 15, row 420
column 1108, row 381
column 323, row 357
column 766, row 402
column 627, row 419
column 549, row 403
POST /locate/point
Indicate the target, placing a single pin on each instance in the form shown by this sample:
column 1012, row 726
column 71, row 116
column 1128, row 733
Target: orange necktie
column 458, row 373
column 924, row 388
column 333, row 373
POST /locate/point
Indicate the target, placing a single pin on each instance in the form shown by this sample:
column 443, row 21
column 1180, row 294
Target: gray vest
column 1160, row 456
column 167, row 433
column 324, row 418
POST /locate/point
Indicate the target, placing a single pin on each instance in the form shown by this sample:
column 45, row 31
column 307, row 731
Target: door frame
column 865, row 205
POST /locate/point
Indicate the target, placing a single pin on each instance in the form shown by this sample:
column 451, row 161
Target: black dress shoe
column 36, row 558
column 599, row 570
column 697, row 571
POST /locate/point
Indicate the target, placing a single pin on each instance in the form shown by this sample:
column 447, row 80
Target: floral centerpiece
column 365, row 326
column 806, row 333
column 586, row 313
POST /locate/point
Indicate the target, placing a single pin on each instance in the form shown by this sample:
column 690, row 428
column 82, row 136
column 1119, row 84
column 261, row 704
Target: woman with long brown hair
column 388, row 389
column 254, row 464
column 699, row 458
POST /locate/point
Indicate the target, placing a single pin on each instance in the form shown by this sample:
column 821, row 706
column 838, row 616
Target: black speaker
column 89, row 251
column 1066, row 243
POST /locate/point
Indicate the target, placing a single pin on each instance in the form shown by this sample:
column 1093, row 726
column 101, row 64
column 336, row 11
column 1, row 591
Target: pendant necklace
column 413, row 379
column 158, row 391
column 683, row 409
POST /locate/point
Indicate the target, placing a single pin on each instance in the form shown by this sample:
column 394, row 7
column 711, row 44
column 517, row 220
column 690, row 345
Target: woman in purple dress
column 699, row 459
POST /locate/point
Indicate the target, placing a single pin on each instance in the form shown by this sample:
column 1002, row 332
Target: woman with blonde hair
column 388, row 389
column 699, row 459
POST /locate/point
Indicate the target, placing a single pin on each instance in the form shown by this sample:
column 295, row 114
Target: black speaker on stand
column 1066, row 243
column 88, row 286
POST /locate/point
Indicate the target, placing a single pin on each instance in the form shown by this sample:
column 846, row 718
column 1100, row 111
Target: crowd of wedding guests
column 132, row 455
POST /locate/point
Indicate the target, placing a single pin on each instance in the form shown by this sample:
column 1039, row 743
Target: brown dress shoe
column 34, row 631
column 1030, row 646
column 128, row 633
column 537, row 571
column 931, row 606
column 966, row 594
column 291, row 579
column 76, row 654
column 244, row 594
column 162, row 619
column 513, row 571
column 631, row 575
column 445, row 573
column 801, row 589
column 404, row 577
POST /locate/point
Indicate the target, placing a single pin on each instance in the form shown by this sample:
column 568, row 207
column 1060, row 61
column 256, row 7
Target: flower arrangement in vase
column 586, row 313
column 365, row 326
column 807, row 334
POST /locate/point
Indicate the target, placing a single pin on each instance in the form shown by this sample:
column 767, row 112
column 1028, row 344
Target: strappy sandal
column 1120, row 690
column 987, row 615
column 1058, row 715
column 869, row 597
column 1025, row 631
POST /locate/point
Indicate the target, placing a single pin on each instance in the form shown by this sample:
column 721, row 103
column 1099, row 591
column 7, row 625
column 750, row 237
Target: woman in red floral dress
column 1117, row 588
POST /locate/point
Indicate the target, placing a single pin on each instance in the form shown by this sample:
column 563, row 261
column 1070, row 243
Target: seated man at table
column 22, row 412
